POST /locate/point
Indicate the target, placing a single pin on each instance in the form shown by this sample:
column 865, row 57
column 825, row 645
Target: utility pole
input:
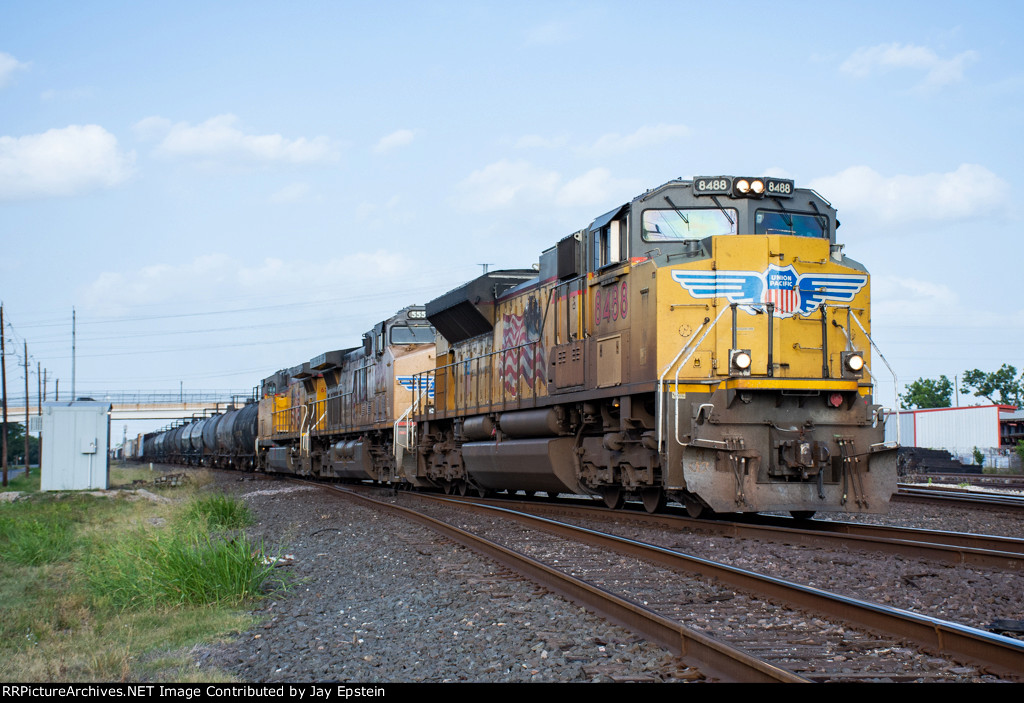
column 26, row 406
column 72, row 353
column 39, row 411
column 3, row 389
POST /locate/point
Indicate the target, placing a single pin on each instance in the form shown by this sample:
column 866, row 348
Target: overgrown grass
column 219, row 512
column 160, row 568
column 21, row 482
column 34, row 539
column 110, row 589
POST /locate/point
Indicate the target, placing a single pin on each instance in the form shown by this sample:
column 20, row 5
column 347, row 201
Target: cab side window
column 608, row 244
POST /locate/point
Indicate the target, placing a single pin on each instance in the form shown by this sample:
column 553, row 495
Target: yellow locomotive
column 338, row 415
column 707, row 343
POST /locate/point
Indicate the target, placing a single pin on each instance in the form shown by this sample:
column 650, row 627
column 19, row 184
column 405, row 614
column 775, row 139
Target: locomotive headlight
column 853, row 364
column 739, row 361
column 743, row 186
column 757, row 187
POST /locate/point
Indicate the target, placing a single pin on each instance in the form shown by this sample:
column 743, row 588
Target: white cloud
column 219, row 277
column 899, row 296
column 61, row 162
column 969, row 191
column 72, row 94
column 8, row 65
column 219, row 138
column 500, row 184
column 151, row 129
column 646, row 136
column 291, row 193
column 596, row 187
column 506, row 184
column 395, row 140
column 884, row 57
column 535, row 141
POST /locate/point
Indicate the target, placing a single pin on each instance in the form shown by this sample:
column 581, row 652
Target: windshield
column 417, row 334
column 799, row 224
column 688, row 223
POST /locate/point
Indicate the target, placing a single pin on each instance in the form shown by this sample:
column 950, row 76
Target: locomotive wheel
column 448, row 488
column 693, row 508
column 654, row 499
column 462, row 487
column 802, row 514
column 614, row 497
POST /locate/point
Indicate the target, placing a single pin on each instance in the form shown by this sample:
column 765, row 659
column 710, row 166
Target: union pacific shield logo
column 792, row 293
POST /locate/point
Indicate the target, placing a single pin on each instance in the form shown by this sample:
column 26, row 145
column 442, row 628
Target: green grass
column 219, row 512
column 102, row 589
column 161, row 568
column 21, row 482
column 36, row 539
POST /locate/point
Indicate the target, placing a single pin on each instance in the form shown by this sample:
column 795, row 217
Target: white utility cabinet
column 76, row 437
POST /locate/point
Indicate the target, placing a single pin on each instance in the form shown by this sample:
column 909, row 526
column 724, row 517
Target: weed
column 219, row 512
column 170, row 567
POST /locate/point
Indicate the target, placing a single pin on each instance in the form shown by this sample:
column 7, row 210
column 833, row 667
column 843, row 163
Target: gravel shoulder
column 379, row 600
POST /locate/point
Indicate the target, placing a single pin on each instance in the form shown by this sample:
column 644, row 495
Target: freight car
column 707, row 342
column 224, row 440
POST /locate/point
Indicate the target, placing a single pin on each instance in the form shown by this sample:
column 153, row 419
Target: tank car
column 707, row 342
column 341, row 414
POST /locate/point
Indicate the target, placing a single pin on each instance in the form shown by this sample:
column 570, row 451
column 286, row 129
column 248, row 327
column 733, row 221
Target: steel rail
column 986, row 551
column 716, row 658
column 981, row 500
column 995, row 652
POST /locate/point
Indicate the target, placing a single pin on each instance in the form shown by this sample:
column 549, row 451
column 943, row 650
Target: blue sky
column 224, row 189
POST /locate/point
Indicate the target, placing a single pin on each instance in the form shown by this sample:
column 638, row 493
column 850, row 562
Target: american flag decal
column 518, row 362
column 782, row 291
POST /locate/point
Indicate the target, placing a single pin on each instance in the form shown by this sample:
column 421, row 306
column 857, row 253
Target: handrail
column 895, row 381
column 419, row 391
column 493, row 368
column 683, row 363
column 660, row 401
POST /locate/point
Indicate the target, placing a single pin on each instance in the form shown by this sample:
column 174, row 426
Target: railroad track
column 763, row 628
column 955, row 495
column 1008, row 482
column 985, row 551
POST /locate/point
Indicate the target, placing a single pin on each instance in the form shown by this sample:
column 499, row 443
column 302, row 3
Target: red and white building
column 993, row 429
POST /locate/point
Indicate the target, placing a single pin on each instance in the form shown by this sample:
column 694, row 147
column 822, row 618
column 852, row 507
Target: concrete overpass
column 145, row 405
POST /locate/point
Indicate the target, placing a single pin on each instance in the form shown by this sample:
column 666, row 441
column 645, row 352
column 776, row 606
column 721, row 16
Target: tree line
column 16, row 445
column 1002, row 387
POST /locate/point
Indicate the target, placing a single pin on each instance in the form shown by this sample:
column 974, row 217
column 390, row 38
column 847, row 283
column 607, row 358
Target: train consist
column 707, row 343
